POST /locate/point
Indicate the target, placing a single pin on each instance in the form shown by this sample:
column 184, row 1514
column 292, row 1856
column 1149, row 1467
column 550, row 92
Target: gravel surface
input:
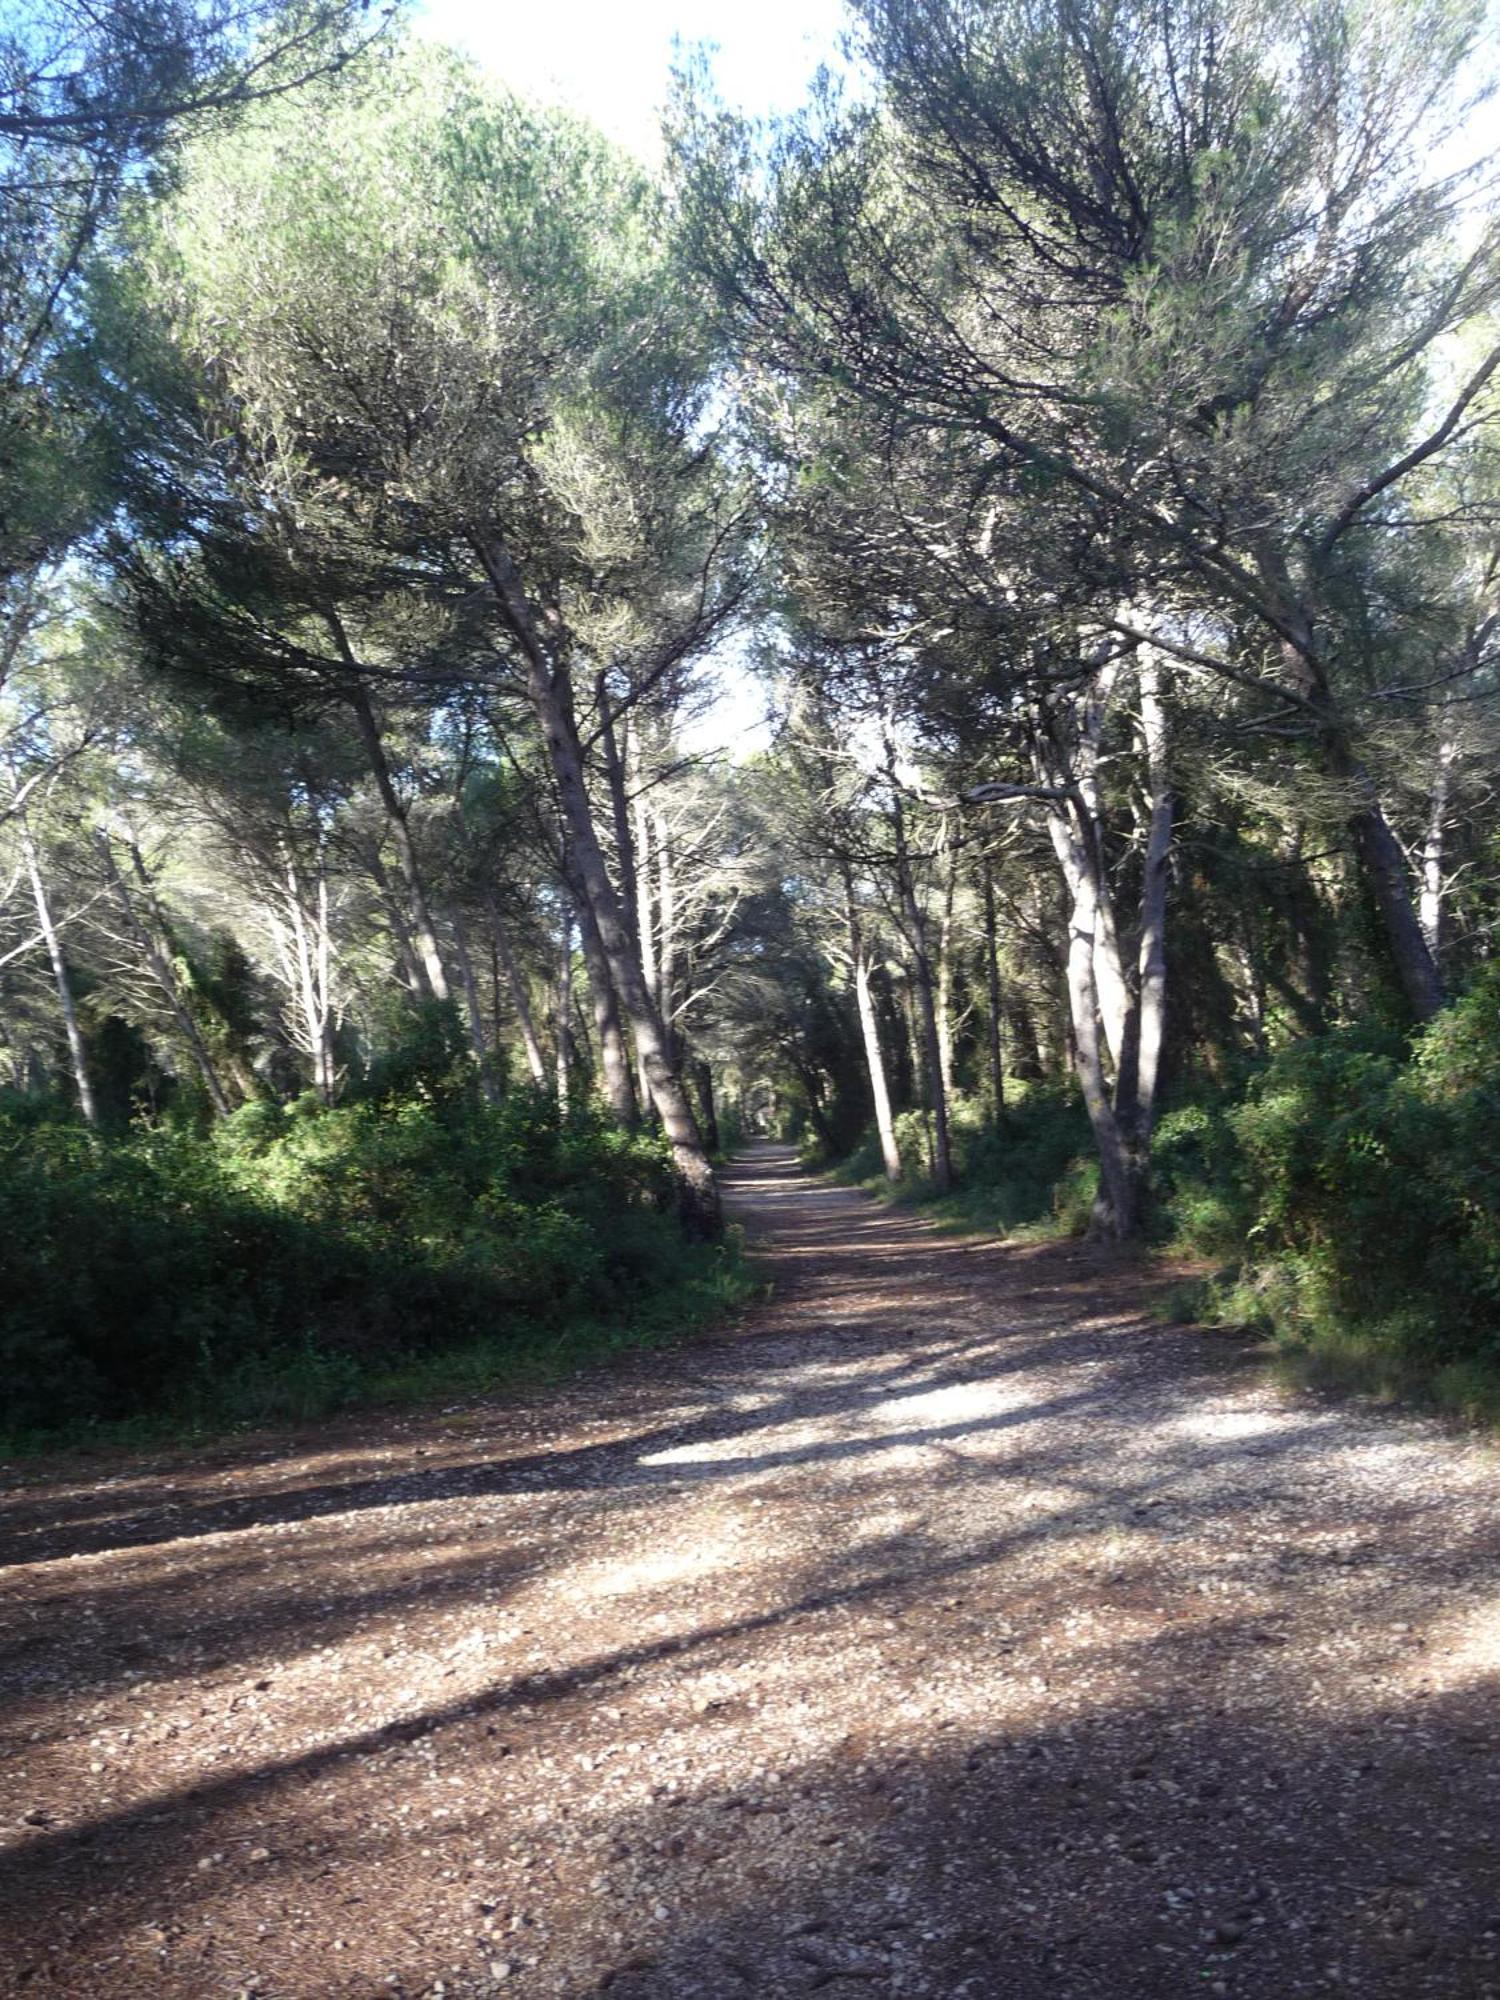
column 949, row 1627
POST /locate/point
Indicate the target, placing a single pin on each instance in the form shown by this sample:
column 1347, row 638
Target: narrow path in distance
column 948, row 1627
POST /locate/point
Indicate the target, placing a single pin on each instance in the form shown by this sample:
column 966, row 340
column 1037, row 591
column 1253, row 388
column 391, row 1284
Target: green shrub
column 266, row 1267
column 1355, row 1193
column 1200, row 1193
column 1030, row 1170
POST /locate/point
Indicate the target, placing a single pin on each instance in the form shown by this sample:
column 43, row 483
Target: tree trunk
column 666, row 906
column 1027, row 1057
column 945, row 973
column 551, row 700
column 703, row 1077
column 564, row 1016
column 614, row 1057
column 1118, row 1208
column 1110, row 983
column 1376, row 847
column 1385, row 870
column 311, row 968
column 1156, row 879
column 422, row 925
column 615, row 765
column 916, row 927
column 869, row 1028
column 1140, row 1055
column 390, row 902
column 479, row 1040
column 1430, row 911
column 812, row 1090
column 87, row 1103
column 643, row 918
column 515, row 981
column 992, row 992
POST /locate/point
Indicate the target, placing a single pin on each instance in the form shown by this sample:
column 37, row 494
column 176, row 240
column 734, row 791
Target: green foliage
column 271, row 1267
column 1199, row 1186
column 1030, row 1171
column 1356, row 1190
column 423, row 1056
column 1032, row 1166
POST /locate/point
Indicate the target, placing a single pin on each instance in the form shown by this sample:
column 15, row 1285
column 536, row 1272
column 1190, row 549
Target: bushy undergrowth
column 1353, row 1198
column 1347, row 1192
column 295, row 1256
column 1027, row 1171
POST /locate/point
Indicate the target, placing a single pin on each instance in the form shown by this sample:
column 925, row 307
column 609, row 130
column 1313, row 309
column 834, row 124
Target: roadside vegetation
column 297, row 1259
column 1342, row 1198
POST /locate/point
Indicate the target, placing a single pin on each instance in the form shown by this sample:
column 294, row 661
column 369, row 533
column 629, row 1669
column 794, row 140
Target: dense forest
column 1081, row 427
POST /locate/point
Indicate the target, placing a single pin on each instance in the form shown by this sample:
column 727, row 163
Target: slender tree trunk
column 616, row 756
column 703, row 1078
column 1140, row 1056
column 992, row 992
column 312, row 965
column 945, row 972
column 614, row 1057
column 1155, row 882
column 423, row 928
column 869, row 1028
column 1430, row 911
column 552, row 703
column 515, row 980
column 644, row 915
column 88, row 1104
column 564, row 1017
column 1110, row 983
column 155, row 945
column 812, row 1090
column 666, row 904
column 1027, row 1057
column 479, row 1040
column 1077, row 840
column 916, row 927
column 1385, row 870
column 911, row 1038
column 1118, row 1205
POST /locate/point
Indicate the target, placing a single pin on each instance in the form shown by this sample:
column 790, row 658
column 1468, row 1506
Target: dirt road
column 948, row 1628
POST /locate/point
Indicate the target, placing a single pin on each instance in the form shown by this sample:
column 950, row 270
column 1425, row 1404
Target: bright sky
column 612, row 59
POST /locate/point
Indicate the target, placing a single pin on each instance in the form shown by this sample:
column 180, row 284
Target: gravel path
column 948, row 1628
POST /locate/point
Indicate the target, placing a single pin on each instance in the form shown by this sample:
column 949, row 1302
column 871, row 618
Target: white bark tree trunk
column 1430, row 908
column 1083, row 1006
column 310, row 964
column 77, row 1054
column 1155, row 880
column 869, row 1028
